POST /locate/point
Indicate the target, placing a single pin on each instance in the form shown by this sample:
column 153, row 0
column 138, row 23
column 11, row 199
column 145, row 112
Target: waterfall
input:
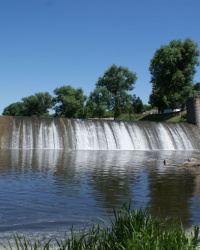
column 92, row 134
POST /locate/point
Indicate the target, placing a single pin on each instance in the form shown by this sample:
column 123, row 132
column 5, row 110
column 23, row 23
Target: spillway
column 96, row 134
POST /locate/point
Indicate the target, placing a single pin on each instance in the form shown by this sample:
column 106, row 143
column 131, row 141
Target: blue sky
column 46, row 44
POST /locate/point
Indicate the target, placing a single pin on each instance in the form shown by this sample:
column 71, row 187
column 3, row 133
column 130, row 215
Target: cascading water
column 89, row 134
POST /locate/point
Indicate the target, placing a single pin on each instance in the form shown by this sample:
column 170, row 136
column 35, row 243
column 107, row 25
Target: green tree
column 97, row 102
column 147, row 107
column 157, row 99
column 137, row 105
column 117, row 81
column 134, row 105
column 34, row 105
column 172, row 69
column 37, row 105
column 14, row 109
column 69, row 102
column 197, row 86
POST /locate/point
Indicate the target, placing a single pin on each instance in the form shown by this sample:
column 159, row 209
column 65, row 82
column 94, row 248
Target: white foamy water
column 33, row 133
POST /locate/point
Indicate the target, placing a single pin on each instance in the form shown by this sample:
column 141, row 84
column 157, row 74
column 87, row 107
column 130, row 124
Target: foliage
column 14, row 109
column 197, row 86
column 147, row 107
column 134, row 105
column 137, row 105
column 69, row 102
column 96, row 103
column 37, row 105
column 34, row 105
column 117, row 81
column 129, row 230
column 172, row 69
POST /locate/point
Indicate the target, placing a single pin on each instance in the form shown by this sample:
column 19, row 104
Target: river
column 45, row 192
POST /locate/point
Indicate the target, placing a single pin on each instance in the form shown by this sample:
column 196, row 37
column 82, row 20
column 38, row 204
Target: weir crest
column 92, row 134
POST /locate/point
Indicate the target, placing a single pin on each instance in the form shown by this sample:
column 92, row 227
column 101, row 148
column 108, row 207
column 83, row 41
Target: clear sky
column 46, row 44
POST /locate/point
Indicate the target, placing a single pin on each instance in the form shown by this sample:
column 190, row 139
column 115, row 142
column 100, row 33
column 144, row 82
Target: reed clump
column 129, row 230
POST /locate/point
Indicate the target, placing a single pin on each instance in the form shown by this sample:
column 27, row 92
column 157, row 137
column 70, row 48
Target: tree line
column 172, row 69
column 110, row 95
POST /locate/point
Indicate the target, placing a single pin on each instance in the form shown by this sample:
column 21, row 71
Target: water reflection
column 49, row 190
column 170, row 193
column 172, row 188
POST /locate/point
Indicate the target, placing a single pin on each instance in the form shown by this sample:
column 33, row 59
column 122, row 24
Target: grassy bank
column 127, row 231
column 170, row 117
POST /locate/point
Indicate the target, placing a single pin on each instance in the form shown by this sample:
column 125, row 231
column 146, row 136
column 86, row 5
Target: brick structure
column 193, row 111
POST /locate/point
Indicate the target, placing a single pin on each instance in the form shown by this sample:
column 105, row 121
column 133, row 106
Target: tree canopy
column 172, row 69
column 134, row 105
column 97, row 102
column 69, row 102
column 14, row 109
column 117, row 81
column 37, row 105
column 34, row 105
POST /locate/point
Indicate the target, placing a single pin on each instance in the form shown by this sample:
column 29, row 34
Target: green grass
column 171, row 117
column 129, row 230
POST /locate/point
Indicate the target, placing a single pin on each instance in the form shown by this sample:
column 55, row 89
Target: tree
column 34, row 105
column 117, row 81
column 97, row 101
column 69, row 102
column 137, row 105
column 196, row 87
column 147, row 107
column 14, row 109
column 158, row 100
column 37, row 105
column 172, row 69
column 134, row 105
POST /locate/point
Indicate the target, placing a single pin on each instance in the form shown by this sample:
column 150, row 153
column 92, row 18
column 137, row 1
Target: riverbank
column 128, row 230
column 165, row 117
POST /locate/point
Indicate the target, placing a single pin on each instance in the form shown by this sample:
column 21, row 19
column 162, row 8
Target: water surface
column 45, row 192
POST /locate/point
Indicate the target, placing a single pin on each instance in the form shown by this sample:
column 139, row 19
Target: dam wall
column 193, row 111
column 95, row 134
